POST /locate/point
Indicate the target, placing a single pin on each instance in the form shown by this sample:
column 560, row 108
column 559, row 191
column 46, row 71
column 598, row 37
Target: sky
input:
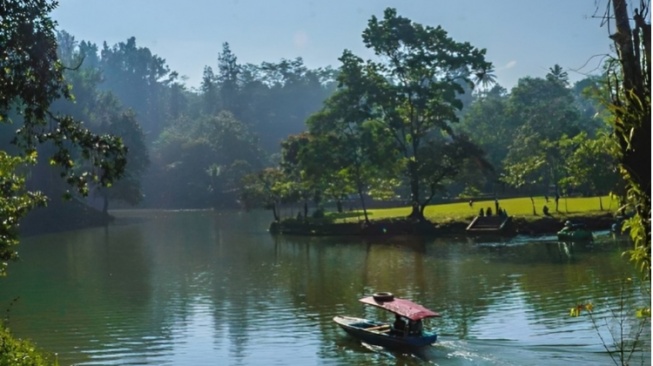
column 522, row 37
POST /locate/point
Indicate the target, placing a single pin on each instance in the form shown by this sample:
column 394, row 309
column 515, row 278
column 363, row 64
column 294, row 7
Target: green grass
column 517, row 207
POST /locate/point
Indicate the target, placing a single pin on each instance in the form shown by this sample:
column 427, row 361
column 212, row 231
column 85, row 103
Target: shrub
column 19, row 352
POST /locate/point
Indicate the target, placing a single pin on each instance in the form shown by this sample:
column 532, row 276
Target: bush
column 469, row 192
column 19, row 352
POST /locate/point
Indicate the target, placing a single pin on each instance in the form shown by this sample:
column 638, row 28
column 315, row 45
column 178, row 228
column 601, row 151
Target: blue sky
column 522, row 37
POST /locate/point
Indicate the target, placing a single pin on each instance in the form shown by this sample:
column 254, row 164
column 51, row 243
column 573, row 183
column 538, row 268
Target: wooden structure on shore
column 495, row 225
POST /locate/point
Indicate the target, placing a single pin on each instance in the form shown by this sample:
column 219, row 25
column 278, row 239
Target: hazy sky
column 522, row 37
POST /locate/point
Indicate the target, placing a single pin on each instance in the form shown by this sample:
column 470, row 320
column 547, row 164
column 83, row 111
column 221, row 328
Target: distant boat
column 575, row 232
column 406, row 332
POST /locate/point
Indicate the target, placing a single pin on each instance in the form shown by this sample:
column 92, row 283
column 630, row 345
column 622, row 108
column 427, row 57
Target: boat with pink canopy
column 406, row 331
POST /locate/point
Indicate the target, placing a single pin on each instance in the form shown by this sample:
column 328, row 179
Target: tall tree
column 138, row 78
column 210, row 91
column 31, row 78
column 543, row 110
column 282, row 96
column 198, row 161
column 103, row 113
column 590, row 166
column 488, row 123
column 347, row 124
column 227, row 78
column 630, row 86
column 417, row 89
column 109, row 117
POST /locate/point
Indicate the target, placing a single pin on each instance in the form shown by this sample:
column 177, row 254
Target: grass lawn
column 517, row 207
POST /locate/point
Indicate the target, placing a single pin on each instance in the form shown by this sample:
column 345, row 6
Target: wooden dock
column 490, row 225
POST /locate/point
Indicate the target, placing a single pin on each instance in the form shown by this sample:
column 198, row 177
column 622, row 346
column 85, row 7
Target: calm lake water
column 215, row 288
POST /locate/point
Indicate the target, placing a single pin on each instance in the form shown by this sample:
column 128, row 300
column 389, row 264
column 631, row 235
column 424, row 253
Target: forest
column 423, row 122
column 256, row 135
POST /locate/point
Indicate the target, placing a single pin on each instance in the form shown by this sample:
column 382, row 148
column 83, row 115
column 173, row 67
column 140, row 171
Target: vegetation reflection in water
column 204, row 287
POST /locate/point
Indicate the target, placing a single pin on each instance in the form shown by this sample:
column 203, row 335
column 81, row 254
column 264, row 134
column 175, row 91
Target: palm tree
column 485, row 78
column 556, row 73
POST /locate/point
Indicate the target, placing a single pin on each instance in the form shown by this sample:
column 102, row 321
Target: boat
column 405, row 333
column 575, row 232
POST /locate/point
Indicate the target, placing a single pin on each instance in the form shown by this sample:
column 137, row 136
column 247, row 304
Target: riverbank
column 534, row 226
column 60, row 216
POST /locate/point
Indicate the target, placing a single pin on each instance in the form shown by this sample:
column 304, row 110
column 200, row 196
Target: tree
column 591, row 167
column 488, row 123
column 629, row 78
column 558, row 75
column 280, row 96
column 542, row 111
column 199, row 159
column 112, row 119
column 227, row 78
column 266, row 188
column 347, row 128
column 209, row 91
column 416, row 88
column 299, row 186
column 31, row 78
column 138, row 78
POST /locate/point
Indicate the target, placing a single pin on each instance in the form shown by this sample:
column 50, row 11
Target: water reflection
column 170, row 288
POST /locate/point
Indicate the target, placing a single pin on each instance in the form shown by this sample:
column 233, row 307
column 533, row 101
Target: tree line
column 187, row 148
column 424, row 119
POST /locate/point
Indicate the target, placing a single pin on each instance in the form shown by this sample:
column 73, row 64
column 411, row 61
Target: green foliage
column 347, row 145
column 469, row 192
column 31, row 78
column 19, row 352
column 621, row 333
column 590, row 166
column 489, row 124
column 15, row 203
column 265, row 189
column 138, row 79
column 412, row 94
column 189, row 148
column 629, row 84
column 544, row 114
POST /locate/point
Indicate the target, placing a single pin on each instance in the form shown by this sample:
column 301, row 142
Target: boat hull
column 379, row 334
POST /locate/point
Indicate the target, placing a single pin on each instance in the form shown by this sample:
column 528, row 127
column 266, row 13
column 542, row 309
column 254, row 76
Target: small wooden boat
column 575, row 232
column 405, row 332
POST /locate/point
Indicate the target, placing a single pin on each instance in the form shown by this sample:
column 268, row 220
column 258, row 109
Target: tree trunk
column 339, row 205
column 275, row 213
column 416, row 212
column 632, row 121
column 105, row 205
column 533, row 203
column 636, row 158
column 362, row 198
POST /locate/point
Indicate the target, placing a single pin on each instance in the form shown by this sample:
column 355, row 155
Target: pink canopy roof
column 401, row 307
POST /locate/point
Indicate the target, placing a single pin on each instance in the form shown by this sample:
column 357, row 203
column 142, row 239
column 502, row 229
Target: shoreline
column 546, row 225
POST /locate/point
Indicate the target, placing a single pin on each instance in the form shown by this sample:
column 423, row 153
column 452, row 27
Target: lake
column 215, row 288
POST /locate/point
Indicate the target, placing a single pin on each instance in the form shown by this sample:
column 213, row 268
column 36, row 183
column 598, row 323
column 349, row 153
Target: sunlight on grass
column 517, row 207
